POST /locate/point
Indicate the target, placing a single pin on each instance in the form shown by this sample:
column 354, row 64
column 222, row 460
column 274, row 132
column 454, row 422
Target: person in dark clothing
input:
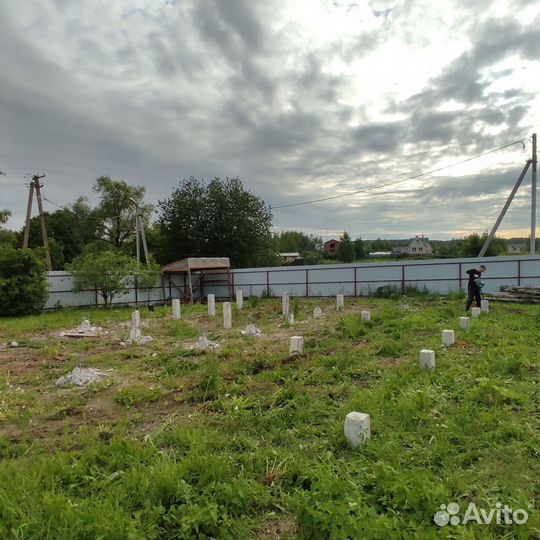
column 474, row 287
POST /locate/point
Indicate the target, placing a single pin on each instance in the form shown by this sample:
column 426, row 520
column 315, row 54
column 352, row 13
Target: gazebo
column 194, row 272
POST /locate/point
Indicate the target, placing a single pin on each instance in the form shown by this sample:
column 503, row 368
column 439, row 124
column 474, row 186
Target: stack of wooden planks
column 518, row 295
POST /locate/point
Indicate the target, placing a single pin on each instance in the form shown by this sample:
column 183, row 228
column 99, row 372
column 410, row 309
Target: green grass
column 247, row 442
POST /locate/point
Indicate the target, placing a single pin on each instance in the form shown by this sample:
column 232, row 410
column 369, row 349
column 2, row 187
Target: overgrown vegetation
column 23, row 282
column 247, row 442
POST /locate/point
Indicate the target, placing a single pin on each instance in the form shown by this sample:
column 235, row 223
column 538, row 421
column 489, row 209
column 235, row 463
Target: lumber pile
column 518, row 295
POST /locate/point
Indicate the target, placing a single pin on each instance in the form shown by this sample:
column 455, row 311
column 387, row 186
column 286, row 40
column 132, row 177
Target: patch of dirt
column 277, row 528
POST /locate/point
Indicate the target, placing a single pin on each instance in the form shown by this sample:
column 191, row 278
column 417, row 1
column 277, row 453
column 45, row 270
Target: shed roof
column 197, row 263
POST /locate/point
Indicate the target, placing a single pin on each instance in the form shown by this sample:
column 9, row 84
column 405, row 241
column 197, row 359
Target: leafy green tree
column 4, row 216
column 359, row 249
column 219, row 219
column 473, row 243
column 69, row 230
column 147, row 276
column 6, row 237
column 115, row 213
column 110, row 272
column 345, row 250
column 296, row 241
column 23, row 281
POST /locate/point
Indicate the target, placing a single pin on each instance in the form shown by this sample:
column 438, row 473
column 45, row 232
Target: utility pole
column 36, row 186
column 28, row 214
column 503, row 211
column 533, row 197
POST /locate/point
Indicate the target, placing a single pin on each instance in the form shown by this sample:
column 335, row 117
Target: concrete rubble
column 85, row 329
column 204, row 344
column 251, row 330
column 81, row 377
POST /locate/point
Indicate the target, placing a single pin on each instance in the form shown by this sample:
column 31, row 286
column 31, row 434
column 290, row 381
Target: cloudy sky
column 300, row 99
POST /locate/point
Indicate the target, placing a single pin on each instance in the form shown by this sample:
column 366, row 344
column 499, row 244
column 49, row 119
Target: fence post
column 307, row 283
column 459, row 277
column 97, row 297
column 403, row 278
column 355, row 291
column 519, row 272
column 136, row 292
column 268, row 283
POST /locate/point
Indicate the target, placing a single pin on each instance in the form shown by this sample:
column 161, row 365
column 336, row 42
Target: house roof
column 196, row 263
column 331, row 240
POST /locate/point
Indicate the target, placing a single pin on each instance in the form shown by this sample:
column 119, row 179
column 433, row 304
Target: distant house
column 400, row 250
column 289, row 257
column 419, row 246
column 331, row 246
column 515, row 249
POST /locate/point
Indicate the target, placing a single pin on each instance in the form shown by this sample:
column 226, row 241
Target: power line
column 372, row 188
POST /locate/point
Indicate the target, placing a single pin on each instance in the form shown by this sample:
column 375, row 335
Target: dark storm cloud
column 152, row 93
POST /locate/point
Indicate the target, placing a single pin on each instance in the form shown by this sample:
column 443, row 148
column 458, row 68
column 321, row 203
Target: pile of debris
column 81, row 377
column 84, row 330
column 251, row 330
column 204, row 344
column 517, row 295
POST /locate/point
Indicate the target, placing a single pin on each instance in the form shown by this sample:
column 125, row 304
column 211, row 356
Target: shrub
column 23, row 281
column 110, row 272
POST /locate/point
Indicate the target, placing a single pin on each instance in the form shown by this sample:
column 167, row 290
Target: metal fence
column 434, row 275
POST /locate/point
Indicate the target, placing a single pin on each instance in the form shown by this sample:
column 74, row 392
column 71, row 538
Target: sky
column 300, row 99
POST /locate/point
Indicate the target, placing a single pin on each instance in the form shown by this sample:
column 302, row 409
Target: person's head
column 482, row 268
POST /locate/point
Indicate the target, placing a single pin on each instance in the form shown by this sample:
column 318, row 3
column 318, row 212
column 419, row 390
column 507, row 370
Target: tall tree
column 69, row 230
column 115, row 212
column 473, row 243
column 359, row 249
column 219, row 219
column 345, row 250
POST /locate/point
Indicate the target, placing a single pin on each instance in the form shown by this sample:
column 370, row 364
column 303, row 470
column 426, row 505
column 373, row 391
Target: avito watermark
column 449, row 514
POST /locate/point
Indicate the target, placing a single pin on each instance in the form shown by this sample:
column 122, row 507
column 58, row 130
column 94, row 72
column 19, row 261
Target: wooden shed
column 193, row 273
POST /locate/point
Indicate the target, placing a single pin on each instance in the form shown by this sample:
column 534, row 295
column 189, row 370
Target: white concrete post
column 291, row 318
column 317, row 313
column 427, row 359
column 475, row 312
column 175, row 309
column 366, row 315
column 448, row 337
column 357, row 428
column 340, row 302
column 239, row 298
column 285, row 304
column 484, row 306
column 296, row 345
column 227, row 315
column 465, row 323
column 211, row 299
column 136, row 319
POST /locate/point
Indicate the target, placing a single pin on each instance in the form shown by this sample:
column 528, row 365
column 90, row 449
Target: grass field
column 247, row 442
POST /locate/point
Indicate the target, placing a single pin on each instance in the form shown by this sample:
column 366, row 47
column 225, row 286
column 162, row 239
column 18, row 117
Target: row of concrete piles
column 357, row 426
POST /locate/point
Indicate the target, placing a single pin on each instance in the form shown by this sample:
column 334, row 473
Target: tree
column 296, row 241
column 110, row 272
column 69, row 230
column 359, row 249
column 473, row 243
column 115, row 213
column 147, row 276
column 219, row 219
column 23, row 281
column 7, row 237
column 345, row 250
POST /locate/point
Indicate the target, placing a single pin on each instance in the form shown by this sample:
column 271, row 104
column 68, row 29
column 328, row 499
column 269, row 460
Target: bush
column 110, row 272
column 23, row 281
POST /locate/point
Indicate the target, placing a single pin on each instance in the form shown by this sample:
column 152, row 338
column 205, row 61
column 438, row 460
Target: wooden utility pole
column 35, row 185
